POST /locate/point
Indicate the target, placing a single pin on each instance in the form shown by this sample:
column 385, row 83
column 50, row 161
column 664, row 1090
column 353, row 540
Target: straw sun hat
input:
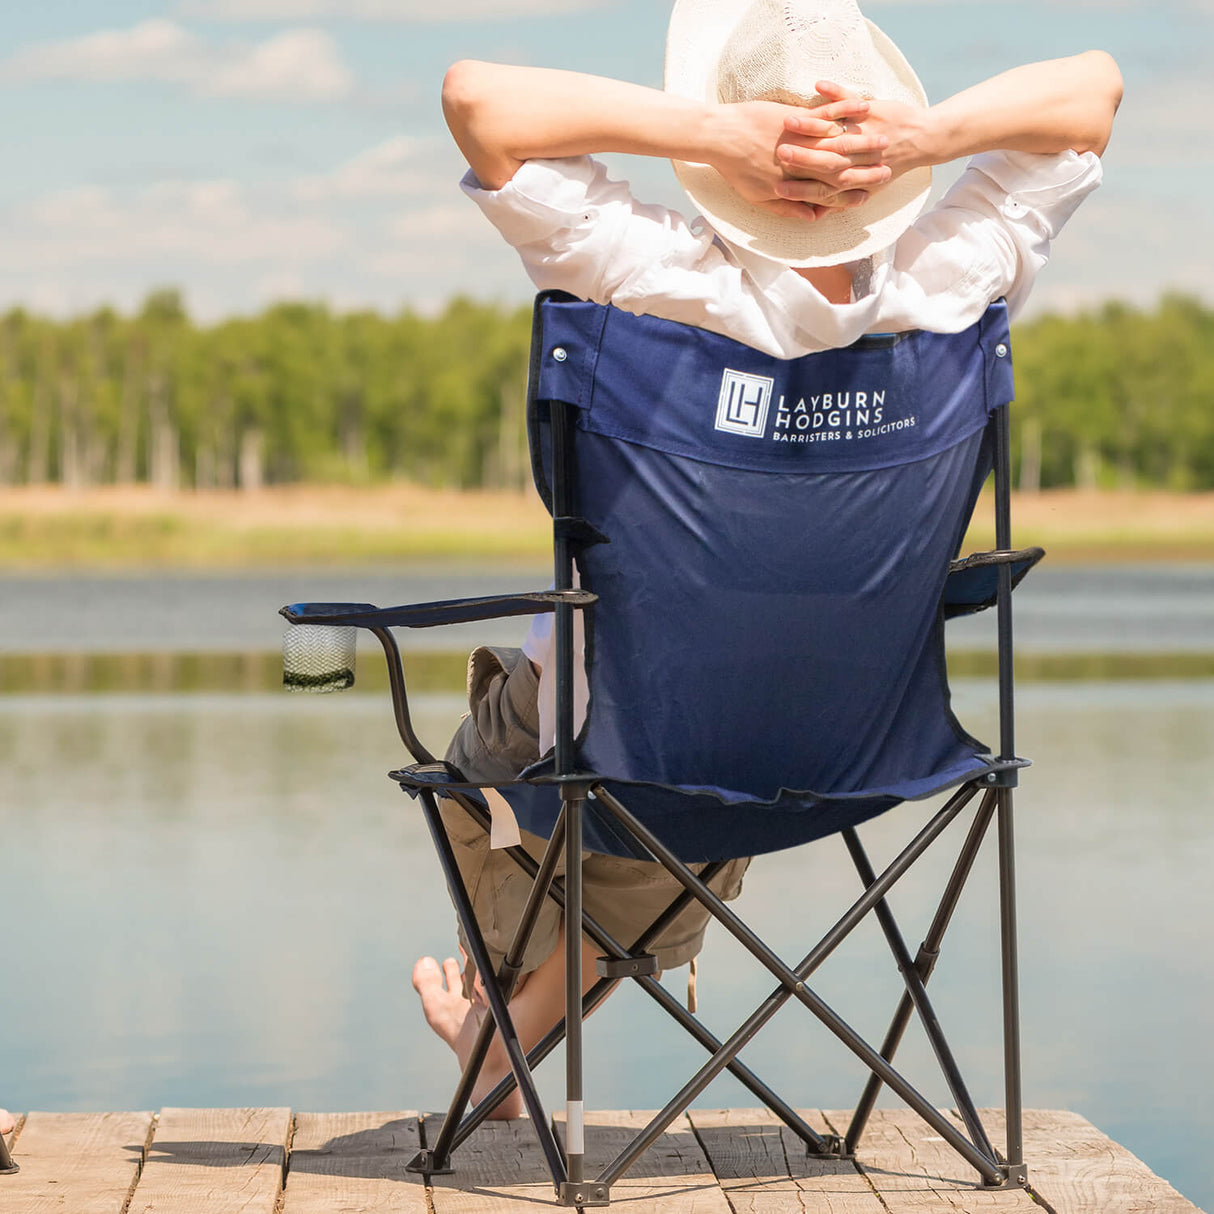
column 776, row 50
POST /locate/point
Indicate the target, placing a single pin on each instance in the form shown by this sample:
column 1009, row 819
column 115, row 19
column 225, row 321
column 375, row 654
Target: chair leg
column 1015, row 1167
column 574, row 1191
column 925, row 962
column 438, row 1158
column 493, row 993
column 916, row 989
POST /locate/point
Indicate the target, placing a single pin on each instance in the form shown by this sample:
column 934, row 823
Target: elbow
column 471, row 107
column 463, row 91
column 1105, row 88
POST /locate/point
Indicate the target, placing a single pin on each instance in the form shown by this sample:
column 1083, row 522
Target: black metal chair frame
column 993, row 792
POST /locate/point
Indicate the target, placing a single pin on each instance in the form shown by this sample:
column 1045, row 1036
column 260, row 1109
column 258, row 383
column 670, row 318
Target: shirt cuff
column 543, row 196
column 1050, row 187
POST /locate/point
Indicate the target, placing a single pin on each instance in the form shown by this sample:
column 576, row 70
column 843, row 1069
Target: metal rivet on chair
column 560, row 354
column 1001, row 351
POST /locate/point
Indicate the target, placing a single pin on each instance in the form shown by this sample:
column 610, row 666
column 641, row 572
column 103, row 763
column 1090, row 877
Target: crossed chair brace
column 617, row 401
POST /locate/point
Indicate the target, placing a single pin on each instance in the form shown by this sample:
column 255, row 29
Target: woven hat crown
column 780, row 50
column 727, row 51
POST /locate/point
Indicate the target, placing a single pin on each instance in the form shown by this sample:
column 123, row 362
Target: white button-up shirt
column 576, row 230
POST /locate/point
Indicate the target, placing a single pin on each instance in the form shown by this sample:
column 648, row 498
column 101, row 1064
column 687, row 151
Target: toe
column 453, row 974
column 426, row 973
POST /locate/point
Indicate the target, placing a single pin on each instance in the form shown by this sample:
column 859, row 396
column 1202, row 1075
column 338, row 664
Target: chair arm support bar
column 431, row 615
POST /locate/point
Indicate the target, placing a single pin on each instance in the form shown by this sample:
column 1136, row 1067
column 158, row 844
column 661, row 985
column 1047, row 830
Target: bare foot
column 443, row 1003
column 7, row 1121
column 457, row 1022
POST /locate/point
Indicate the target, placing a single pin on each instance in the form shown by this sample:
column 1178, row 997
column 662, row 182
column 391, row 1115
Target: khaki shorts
column 498, row 738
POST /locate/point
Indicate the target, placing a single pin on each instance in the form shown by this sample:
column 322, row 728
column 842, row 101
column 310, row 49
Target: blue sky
column 253, row 150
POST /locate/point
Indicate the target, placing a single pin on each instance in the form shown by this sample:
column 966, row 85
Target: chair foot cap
column 582, row 1194
column 425, row 1163
column 1015, row 1176
column 834, row 1146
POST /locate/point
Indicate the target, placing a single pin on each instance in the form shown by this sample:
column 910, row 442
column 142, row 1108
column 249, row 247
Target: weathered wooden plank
column 499, row 1170
column 355, row 1163
column 1079, row 1170
column 672, row 1177
column 764, row 1168
column 713, row 1162
column 223, row 1161
column 78, row 1163
column 913, row 1169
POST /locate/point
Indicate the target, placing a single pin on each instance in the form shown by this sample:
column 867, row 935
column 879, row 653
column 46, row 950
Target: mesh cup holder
column 318, row 658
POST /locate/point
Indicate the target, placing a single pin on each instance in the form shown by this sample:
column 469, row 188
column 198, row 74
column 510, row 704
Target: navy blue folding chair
column 767, row 552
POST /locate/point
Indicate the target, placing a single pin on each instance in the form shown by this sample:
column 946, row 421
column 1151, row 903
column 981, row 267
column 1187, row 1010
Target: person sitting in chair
column 805, row 140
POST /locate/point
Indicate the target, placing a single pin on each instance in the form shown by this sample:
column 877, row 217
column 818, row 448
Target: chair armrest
column 973, row 583
column 430, row 615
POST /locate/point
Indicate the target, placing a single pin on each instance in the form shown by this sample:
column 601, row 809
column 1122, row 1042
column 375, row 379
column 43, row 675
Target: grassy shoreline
column 124, row 528
column 443, row 672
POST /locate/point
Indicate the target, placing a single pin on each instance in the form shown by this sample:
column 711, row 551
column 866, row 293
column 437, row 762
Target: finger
column 828, row 154
column 790, row 209
column 808, row 190
column 868, row 178
column 854, row 109
column 817, row 189
column 822, row 120
column 817, row 161
column 804, row 163
column 833, row 91
column 871, row 160
column 808, row 124
column 825, row 194
column 848, row 199
column 858, row 143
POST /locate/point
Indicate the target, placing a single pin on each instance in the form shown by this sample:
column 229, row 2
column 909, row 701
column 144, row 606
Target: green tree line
column 1114, row 397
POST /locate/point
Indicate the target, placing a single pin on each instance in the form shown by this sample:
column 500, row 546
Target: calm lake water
column 217, row 899
column 1138, row 608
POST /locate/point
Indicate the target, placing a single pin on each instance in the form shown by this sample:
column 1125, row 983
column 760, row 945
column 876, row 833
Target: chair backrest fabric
column 766, row 659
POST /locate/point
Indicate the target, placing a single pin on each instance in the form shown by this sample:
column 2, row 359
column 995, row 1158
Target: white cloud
column 213, row 222
column 302, row 65
column 385, row 227
column 417, row 11
column 399, row 167
column 446, row 223
column 294, row 65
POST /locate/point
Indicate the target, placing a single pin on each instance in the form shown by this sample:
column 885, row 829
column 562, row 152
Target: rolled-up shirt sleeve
column 576, row 229
column 991, row 233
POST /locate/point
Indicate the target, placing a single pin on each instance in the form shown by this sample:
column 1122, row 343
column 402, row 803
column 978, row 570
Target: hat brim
column 698, row 32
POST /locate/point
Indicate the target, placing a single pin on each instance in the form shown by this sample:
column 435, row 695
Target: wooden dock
column 736, row 1161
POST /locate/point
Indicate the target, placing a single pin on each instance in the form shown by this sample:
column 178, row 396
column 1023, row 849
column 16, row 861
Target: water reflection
column 161, row 671
column 216, row 900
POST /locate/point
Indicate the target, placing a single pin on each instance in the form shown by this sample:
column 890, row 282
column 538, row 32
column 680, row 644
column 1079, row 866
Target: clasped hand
column 803, row 162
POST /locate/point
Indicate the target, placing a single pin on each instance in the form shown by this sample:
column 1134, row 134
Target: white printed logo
column 742, row 407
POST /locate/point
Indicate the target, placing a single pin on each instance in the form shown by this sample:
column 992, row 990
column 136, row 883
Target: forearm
column 501, row 116
column 1053, row 106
